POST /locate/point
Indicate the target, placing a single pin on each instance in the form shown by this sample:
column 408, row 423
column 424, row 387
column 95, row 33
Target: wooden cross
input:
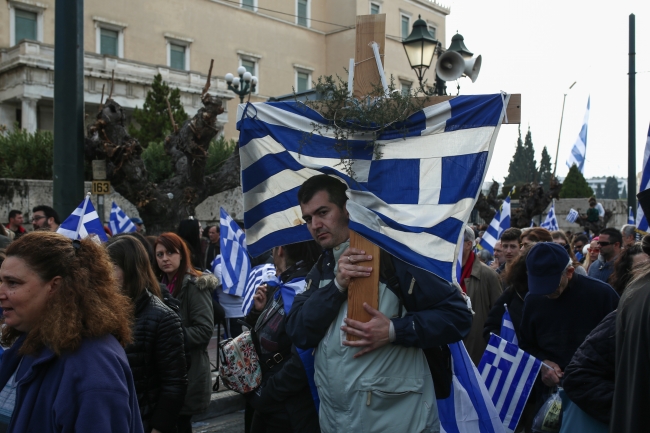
column 372, row 28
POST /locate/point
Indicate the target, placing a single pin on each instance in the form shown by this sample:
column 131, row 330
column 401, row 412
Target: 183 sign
column 101, row 187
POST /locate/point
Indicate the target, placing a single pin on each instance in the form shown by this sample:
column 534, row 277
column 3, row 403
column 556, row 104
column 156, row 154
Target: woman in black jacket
column 156, row 356
column 283, row 403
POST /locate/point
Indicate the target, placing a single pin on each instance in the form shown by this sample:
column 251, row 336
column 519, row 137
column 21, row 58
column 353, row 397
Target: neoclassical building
column 285, row 43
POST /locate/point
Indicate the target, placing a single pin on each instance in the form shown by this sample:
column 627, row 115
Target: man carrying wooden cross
column 380, row 382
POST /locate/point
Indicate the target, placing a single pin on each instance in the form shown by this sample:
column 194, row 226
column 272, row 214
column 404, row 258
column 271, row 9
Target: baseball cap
column 136, row 221
column 546, row 261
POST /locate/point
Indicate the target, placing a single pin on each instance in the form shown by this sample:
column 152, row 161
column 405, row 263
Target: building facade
column 287, row 44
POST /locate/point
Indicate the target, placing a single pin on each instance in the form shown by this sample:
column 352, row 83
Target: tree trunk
column 163, row 206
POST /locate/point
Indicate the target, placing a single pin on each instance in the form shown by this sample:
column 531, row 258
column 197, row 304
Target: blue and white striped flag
column 509, row 374
column 641, row 220
column 235, row 263
column 119, row 222
column 579, row 149
column 630, row 216
column 469, row 407
column 413, row 202
column 508, row 328
column 572, row 215
column 259, row 275
column 550, row 223
column 499, row 223
column 82, row 222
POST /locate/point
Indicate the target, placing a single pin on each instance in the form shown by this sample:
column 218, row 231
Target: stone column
column 29, row 117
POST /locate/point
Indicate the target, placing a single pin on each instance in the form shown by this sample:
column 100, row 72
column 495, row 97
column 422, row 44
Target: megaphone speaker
column 450, row 66
column 472, row 67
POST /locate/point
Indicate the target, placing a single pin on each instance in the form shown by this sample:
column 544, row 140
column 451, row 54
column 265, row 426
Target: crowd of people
column 114, row 337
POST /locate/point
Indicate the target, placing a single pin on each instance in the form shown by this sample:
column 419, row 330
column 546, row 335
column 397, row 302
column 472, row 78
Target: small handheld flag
column 119, row 222
column 509, row 374
column 235, row 263
column 630, row 217
column 508, row 328
column 572, row 216
column 259, row 275
column 550, row 223
column 83, row 222
column 499, row 223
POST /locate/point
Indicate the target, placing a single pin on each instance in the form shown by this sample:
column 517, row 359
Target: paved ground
column 231, row 423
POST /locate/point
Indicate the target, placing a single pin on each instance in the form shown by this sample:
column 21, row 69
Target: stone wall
column 26, row 194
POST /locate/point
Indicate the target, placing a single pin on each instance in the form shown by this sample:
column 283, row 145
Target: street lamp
column 420, row 47
column 246, row 80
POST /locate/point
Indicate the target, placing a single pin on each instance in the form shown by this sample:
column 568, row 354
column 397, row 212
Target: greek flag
column 630, row 216
column 82, row 222
column 508, row 328
column 579, row 150
column 550, row 223
column 412, row 202
column 469, row 407
column 119, row 222
column 235, row 263
column 259, row 275
column 509, row 374
column 641, row 220
column 499, row 223
column 572, row 216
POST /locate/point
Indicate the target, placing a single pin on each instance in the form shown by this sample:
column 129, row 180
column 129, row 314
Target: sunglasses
column 594, row 249
column 604, row 244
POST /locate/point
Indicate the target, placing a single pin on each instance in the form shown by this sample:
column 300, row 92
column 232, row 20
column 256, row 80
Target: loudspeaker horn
column 450, row 66
column 472, row 67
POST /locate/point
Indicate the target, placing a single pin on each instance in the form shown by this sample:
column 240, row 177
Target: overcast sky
column 539, row 49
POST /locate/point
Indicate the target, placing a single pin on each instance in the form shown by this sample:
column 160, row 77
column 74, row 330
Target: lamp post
column 420, row 47
column 246, row 80
column 457, row 61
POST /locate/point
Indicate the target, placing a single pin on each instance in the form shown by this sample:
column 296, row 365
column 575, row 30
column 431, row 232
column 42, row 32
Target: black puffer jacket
column 157, row 360
column 589, row 377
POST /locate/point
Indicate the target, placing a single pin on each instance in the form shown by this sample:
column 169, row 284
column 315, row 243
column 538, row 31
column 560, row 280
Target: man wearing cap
column 139, row 225
column 561, row 308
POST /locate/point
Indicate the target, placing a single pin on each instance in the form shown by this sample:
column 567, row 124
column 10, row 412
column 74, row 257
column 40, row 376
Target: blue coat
column 90, row 389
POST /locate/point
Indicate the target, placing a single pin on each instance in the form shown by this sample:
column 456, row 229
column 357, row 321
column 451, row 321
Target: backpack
column 592, row 215
column 438, row 357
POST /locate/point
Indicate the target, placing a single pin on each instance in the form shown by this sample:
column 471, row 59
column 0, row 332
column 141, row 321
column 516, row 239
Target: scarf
column 467, row 270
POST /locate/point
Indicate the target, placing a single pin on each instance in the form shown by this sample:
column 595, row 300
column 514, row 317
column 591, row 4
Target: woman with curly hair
column 157, row 355
column 560, row 238
column 624, row 266
column 194, row 292
column 67, row 323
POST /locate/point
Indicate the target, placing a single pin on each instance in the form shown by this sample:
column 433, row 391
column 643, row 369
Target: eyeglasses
column 604, row 244
column 37, row 218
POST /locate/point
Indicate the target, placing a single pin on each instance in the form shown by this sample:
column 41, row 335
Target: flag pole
column 559, row 134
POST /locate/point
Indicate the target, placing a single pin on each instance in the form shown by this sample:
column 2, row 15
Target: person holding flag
column 283, row 402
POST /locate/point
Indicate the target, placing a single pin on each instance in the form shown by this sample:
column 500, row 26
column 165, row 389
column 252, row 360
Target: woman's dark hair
column 559, row 234
column 129, row 254
column 148, row 246
column 308, row 251
column 188, row 230
column 516, row 277
column 87, row 304
column 623, row 268
column 172, row 242
column 537, row 234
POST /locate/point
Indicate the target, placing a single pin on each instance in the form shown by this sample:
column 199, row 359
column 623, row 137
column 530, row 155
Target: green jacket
column 197, row 317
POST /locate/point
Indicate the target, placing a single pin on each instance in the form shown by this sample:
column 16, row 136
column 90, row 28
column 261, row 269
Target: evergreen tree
column 624, row 193
column 523, row 168
column 611, row 188
column 153, row 118
column 599, row 191
column 545, row 172
column 529, row 153
column 575, row 185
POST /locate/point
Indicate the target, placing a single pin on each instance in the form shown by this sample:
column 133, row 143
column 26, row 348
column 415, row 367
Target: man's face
column 498, row 252
column 327, row 223
column 578, row 246
column 607, row 249
column 17, row 220
column 40, row 221
column 563, row 283
column 213, row 234
column 138, row 228
column 510, row 250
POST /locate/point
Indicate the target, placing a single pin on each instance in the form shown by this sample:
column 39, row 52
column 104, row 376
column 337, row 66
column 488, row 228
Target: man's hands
column 373, row 334
column 347, row 268
column 551, row 376
column 259, row 299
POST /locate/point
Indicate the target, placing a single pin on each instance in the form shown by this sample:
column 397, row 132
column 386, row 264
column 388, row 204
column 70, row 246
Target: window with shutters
column 406, row 25
column 108, row 42
column 302, row 13
column 375, row 8
column 25, row 25
column 177, row 56
column 248, row 5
